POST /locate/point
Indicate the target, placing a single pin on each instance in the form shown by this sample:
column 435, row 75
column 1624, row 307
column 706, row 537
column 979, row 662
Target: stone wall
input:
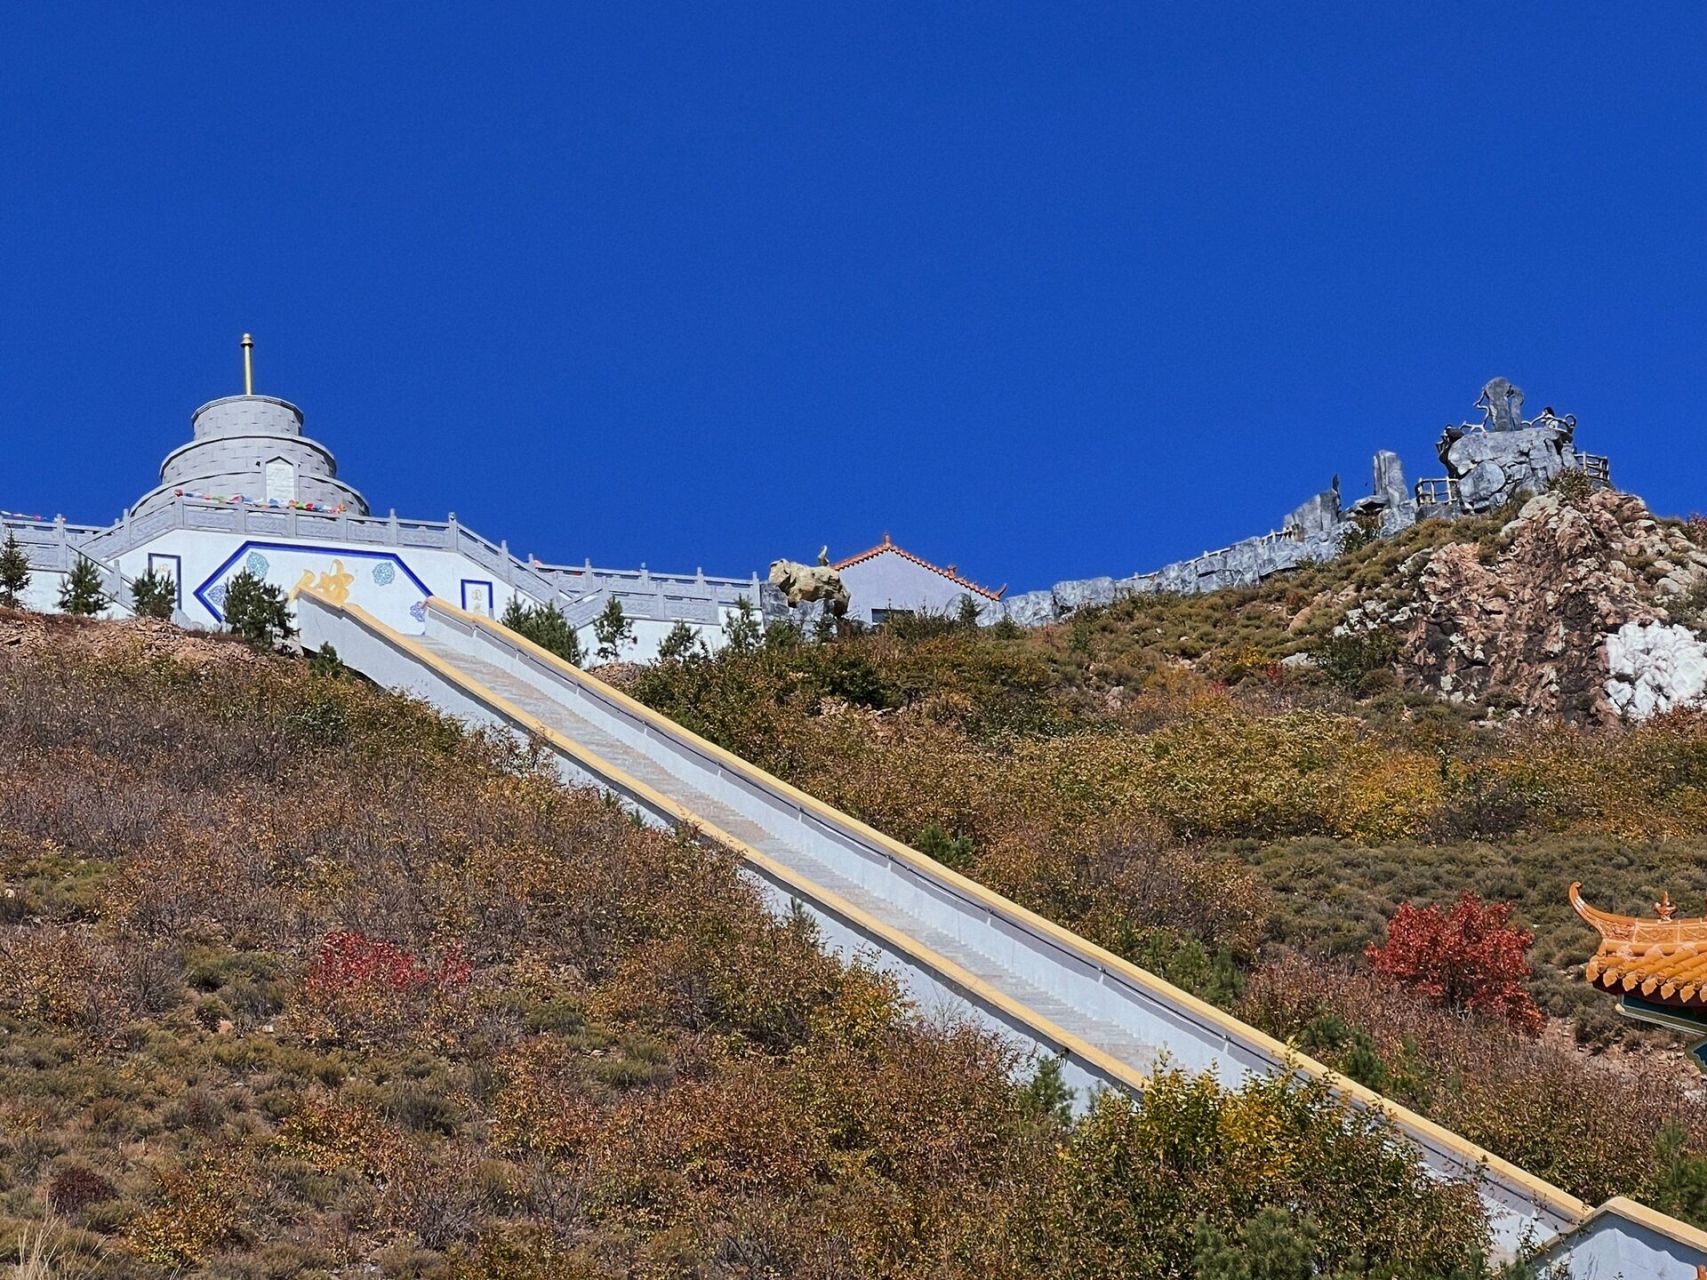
column 1488, row 464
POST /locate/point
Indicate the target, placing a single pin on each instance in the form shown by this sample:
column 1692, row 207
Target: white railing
column 579, row 592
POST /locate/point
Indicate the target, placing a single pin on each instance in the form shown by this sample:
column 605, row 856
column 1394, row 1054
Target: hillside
column 299, row 979
column 1238, row 790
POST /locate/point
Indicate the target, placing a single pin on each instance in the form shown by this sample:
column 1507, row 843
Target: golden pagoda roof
column 1663, row 959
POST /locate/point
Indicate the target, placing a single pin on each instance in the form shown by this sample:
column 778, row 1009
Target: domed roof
column 252, row 447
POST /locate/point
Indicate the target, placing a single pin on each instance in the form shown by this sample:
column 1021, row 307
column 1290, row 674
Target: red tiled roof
column 949, row 573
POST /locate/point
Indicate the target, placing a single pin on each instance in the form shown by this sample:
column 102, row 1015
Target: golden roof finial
column 248, row 366
column 1664, row 908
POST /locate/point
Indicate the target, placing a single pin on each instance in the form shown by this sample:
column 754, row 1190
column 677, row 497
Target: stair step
column 1108, row 1037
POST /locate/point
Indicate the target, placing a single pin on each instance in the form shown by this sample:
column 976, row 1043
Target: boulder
column 1654, row 667
column 802, row 582
column 1493, row 467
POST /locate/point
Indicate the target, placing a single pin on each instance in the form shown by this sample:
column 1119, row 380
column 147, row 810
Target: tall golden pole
column 248, row 366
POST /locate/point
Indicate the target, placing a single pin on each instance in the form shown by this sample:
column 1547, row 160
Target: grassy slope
column 1150, row 775
column 296, row 978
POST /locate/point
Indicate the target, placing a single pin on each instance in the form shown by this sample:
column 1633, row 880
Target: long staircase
column 955, row 946
column 801, row 859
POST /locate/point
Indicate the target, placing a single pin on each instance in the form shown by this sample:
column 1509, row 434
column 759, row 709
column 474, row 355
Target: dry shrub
column 1563, row 1117
column 69, row 977
column 73, row 1187
column 1116, row 880
column 644, row 1061
column 194, row 1211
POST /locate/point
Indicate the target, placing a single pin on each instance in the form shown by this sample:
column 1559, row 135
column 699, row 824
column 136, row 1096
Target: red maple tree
column 1468, row 956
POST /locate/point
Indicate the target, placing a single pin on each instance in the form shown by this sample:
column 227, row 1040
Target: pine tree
column 81, row 592
column 545, row 626
column 325, row 661
column 678, row 644
column 742, row 632
column 612, row 630
column 256, row 610
column 153, row 595
column 14, row 573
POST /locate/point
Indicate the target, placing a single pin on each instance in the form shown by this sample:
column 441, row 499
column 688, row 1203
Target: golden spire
column 248, row 366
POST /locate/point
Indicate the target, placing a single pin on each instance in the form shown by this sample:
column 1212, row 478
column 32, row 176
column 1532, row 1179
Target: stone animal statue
column 1502, row 405
column 801, row 582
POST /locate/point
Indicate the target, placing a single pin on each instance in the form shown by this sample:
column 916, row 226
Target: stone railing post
column 391, row 528
column 450, row 532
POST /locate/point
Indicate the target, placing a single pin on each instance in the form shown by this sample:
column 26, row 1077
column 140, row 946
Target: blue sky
column 1046, row 291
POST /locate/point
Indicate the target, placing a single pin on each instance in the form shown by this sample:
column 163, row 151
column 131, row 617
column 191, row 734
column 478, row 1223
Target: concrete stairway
column 798, row 857
column 954, row 946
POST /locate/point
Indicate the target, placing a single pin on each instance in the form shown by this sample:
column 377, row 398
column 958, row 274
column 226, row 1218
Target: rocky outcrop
column 1569, row 617
column 1314, row 530
column 1491, row 468
column 1488, row 464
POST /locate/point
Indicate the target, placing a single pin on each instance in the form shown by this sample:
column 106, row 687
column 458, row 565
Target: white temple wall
column 389, row 582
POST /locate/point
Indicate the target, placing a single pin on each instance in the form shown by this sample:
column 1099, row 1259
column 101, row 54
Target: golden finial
column 248, row 366
column 1664, row 908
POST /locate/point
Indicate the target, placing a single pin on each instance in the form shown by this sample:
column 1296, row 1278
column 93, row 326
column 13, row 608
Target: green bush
column 679, row 643
column 1349, row 658
column 256, row 610
column 14, row 572
column 613, row 631
column 951, row 850
column 1571, row 485
column 545, row 626
column 154, row 595
column 80, row 593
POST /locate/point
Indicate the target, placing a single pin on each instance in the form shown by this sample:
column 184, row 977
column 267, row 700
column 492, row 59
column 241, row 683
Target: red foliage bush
column 359, row 988
column 1467, row 957
column 74, row 1187
column 351, row 963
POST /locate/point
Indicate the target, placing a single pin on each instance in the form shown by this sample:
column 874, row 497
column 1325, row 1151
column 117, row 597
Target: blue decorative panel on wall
column 343, row 573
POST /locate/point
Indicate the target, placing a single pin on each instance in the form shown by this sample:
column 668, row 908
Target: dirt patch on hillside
column 25, row 633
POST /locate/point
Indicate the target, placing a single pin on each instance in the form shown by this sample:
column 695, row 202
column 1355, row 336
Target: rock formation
column 1652, row 667
column 1488, row 464
column 799, row 583
column 1572, row 616
column 1493, row 461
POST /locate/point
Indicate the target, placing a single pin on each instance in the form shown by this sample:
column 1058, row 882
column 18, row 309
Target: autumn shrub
column 1216, row 1158
column 359, row 990
column 74, row 1187
column 70, row 978
column 1572, row 1120
column 1468, row 956
column 193, row 1212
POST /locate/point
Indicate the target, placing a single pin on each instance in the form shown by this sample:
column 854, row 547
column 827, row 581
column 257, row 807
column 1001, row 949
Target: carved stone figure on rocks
column 800, row 583
column 1502, row 406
